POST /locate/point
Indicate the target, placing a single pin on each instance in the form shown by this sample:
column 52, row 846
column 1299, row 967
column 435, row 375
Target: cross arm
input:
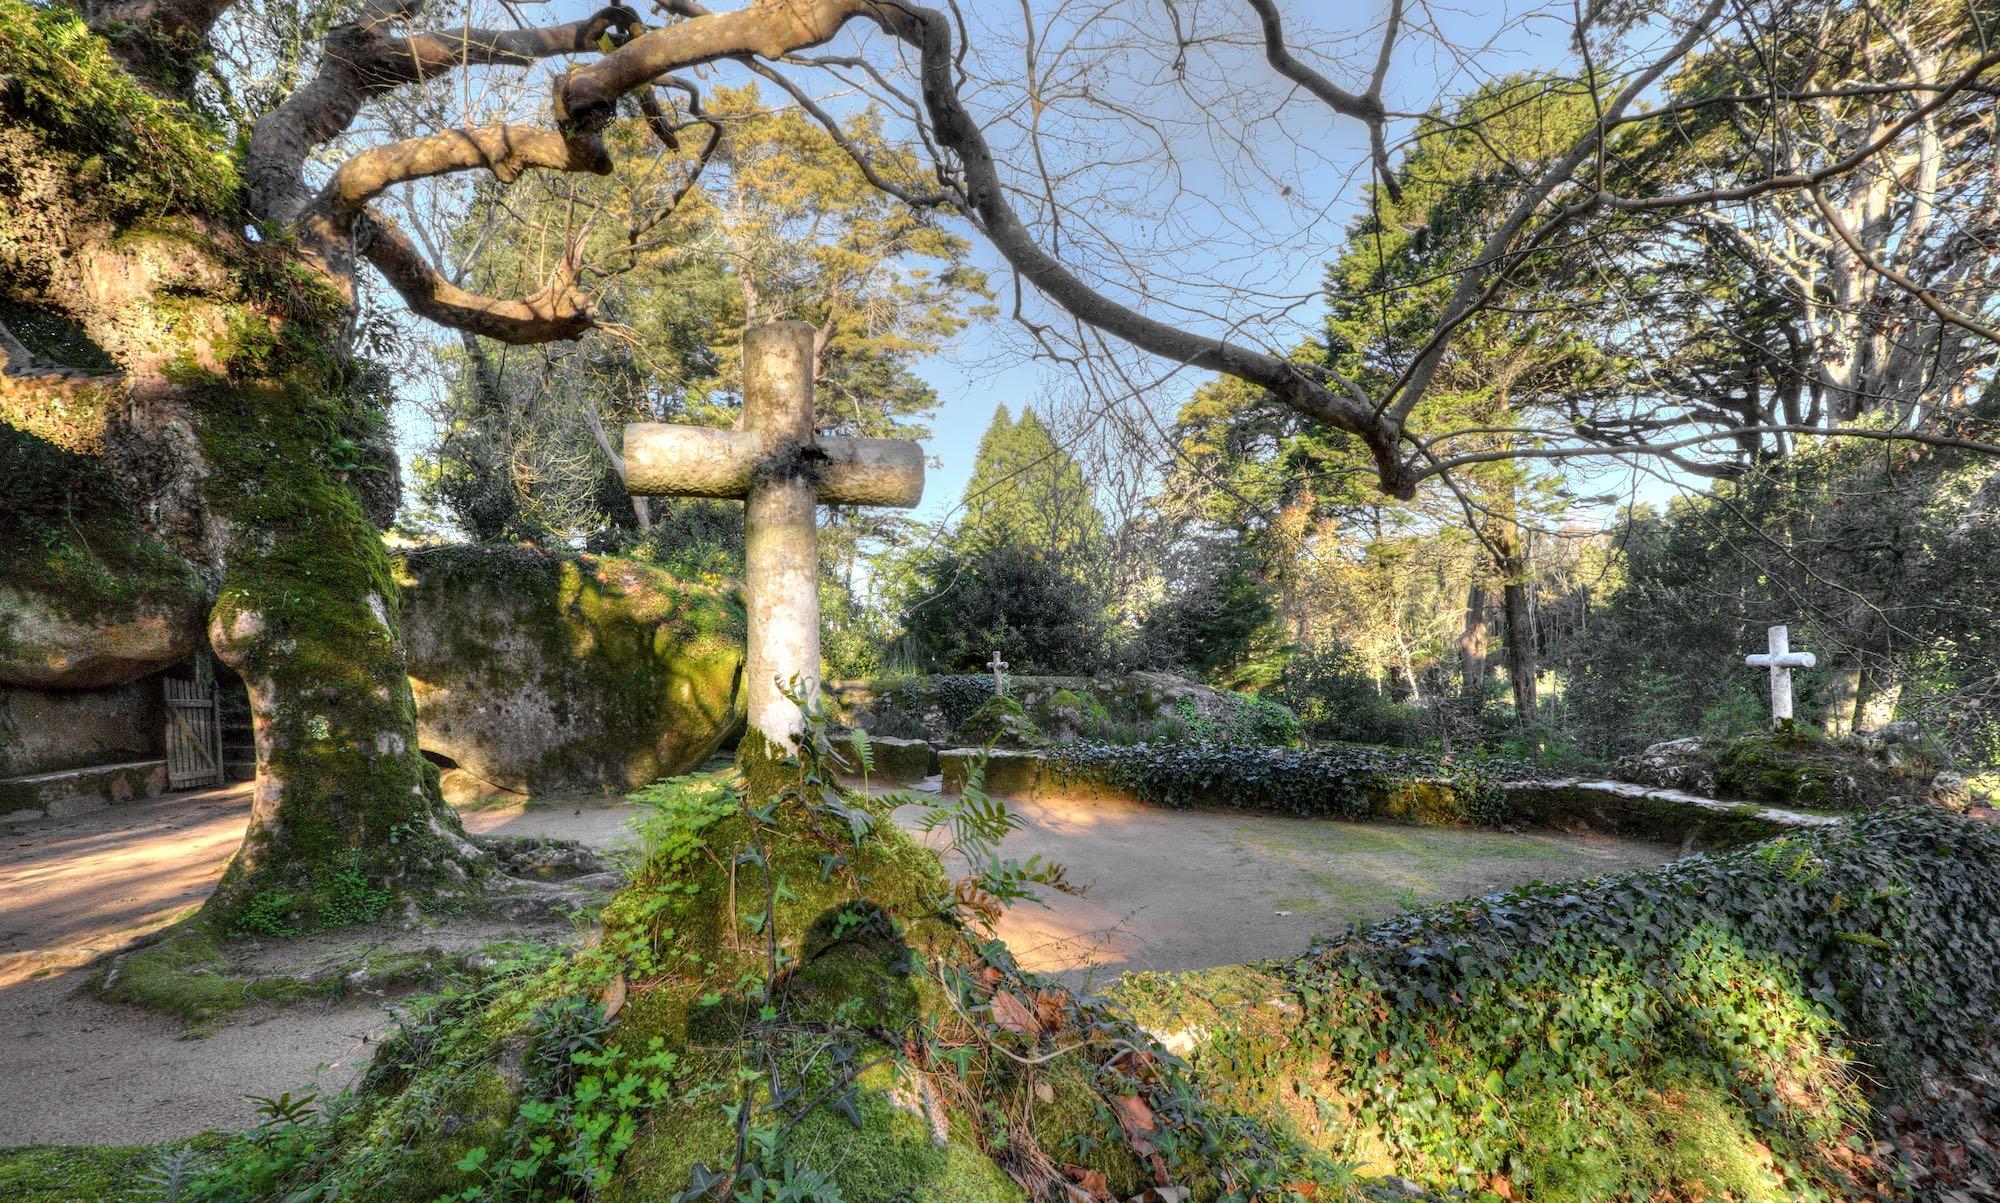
column 665, row 459
column 1787, row 660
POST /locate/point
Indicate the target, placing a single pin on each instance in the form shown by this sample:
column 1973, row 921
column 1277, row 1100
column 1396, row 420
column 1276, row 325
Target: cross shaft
column 1781, row 660
column 782, row 472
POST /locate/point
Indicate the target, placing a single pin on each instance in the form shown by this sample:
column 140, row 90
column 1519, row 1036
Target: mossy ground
column 1800, row 767
column 784, row 992
column 187, row 971
column 82, row 1173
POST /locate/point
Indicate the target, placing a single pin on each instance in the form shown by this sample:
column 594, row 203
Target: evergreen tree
column 1027, row 492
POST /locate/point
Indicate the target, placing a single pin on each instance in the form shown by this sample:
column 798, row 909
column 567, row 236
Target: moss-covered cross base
column 785, row 995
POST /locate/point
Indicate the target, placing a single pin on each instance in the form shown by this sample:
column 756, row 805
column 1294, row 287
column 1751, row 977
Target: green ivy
column 1337, row 781
column 1588, row 1040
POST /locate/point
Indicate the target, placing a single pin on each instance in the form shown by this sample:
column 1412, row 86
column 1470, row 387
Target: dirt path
column 1167, row 890
column 78, row 1071
column 1174, row 890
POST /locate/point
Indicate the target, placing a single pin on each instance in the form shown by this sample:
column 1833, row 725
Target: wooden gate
column 194, row 730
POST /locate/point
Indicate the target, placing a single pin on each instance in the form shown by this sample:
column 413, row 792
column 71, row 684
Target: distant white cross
column 781, row 471
column 1781, row 660
column 998, row 666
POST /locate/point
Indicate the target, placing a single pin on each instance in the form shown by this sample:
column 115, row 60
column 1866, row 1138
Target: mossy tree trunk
column 247, row 442
column 347, row 813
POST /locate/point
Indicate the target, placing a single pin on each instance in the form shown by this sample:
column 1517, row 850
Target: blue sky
column 1187, row 227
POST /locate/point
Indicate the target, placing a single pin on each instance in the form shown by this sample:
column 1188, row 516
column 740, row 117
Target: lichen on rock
column 539, row 672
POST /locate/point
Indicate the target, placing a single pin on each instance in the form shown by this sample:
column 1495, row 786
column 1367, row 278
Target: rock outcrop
column 46, row 644
column 91, row 598
column 547, row 673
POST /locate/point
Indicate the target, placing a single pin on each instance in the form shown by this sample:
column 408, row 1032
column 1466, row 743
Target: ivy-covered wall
column 1732, row 1026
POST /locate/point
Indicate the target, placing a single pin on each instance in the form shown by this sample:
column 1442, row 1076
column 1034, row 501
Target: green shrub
column 1335, row 700
column 1724, row 1027
column 956, row 695
column 1337, row 781
column 1246, row 720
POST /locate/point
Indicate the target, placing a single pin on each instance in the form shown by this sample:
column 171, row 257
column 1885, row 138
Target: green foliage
column 1724, row 1023
column 1246, row 720
column 1013, row 600
column 1334, row 699
column 149, row 154
column 1027, row 493
column 346, row 896
column 1000, row 722
column 1337, row 781
column 1210, row 621
column 1915, row 559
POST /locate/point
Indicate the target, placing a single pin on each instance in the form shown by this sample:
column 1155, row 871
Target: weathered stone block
column 1007, row 772
column 545, row 673
column 899, row 760
column 74, row 790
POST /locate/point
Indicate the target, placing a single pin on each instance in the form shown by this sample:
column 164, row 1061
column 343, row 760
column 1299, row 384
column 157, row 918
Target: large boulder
column 1683, row 764
column 48, row 643
column 91, row 598
column 546, row 673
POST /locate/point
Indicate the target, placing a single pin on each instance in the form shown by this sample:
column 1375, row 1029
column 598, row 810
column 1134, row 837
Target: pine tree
column 1027, row 492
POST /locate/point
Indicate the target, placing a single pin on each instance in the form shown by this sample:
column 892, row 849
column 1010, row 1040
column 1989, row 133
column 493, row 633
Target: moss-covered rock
column 1000, row 722
column 545, row 673
column 1800, row 767
column 91, row 598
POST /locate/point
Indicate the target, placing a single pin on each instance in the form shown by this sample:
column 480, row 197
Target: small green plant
column 267, row 913
column 283, row 1108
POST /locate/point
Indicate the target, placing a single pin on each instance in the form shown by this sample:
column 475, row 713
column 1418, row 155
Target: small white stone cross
column 999, row 666
column 1781, row 660
column 782, row 471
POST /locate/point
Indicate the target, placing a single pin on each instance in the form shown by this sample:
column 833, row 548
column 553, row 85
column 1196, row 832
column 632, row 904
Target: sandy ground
column 1175, row 890
column 74, row 1070
column 1166, row 890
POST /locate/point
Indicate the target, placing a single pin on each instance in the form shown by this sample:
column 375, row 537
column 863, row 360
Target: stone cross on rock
column 1781, row 660
column 781, row 470
column 999, row 682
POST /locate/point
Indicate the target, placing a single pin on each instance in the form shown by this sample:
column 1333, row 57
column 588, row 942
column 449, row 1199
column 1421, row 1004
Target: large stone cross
column 1781, row 660
column 781, row 470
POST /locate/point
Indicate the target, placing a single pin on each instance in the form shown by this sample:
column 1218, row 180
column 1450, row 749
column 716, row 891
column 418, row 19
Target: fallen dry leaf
column 613, row 998
column 1087, row 1185
column 1014, row 1016
column 1136, row 1118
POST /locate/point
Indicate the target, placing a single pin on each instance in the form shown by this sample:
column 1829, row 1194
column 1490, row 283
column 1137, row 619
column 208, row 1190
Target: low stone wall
column 899, row 761
column 1560, row 804
column 1645, row 812
column 72, row 791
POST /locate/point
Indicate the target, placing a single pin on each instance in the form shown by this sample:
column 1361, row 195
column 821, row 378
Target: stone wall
column 47, row 730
